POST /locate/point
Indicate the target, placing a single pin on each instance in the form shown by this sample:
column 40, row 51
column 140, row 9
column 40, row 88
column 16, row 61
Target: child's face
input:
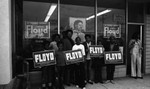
column 47, row 46
column 60, row 46
column 88, row 39
column 78, row 40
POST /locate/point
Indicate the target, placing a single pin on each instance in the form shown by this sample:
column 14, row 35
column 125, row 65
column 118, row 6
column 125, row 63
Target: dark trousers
column 48, row 75
column 60, row 74
column 80, row 75
column 67, row 74
column 98, row 74
column 110, row 71
column 97, row 67
column 88, row 70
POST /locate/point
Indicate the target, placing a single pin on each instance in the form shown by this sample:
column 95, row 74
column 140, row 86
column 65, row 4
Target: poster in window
column 37, row 30
column 112, row 29
column 78, row 26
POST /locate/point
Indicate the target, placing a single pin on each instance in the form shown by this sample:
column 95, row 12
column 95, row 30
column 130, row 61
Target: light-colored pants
column 136, row 61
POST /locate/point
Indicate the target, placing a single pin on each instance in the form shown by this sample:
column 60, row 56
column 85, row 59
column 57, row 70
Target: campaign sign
column 44, row 58
column 96, row 50
column 73, row 56
column 112, row 29
column 113, row 57
column 38, row 30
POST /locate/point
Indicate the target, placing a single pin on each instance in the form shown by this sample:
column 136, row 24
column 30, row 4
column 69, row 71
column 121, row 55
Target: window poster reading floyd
column 73, row 56
column 112, row 29
column 44, row 58
column 37, row 30
column 78, row 26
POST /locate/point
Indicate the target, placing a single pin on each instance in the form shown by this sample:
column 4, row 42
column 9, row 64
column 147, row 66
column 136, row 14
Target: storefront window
column 39, row 23
column 135, row 12
column 75, row 17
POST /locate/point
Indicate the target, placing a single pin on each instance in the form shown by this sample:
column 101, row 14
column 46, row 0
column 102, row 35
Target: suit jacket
column 115, row 48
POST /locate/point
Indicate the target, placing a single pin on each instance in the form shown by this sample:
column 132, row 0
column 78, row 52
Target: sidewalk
column 121, row 83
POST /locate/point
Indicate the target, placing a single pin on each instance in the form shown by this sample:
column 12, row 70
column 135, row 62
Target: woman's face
column 60, row 47
column 57, row 38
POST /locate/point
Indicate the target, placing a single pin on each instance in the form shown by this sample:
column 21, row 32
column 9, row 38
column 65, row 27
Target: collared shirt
column 88, row 54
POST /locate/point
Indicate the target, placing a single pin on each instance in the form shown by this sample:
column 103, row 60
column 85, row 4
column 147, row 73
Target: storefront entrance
column 134, row 28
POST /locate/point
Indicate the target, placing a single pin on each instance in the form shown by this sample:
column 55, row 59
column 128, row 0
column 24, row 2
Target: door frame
column 142, row 37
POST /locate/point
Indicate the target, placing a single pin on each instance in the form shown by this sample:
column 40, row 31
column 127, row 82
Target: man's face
column 80, row 26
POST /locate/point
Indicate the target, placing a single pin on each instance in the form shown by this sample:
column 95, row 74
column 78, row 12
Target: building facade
column 129, row 16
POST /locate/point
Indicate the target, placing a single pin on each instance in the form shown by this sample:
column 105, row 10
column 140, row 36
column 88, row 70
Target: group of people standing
column 88, row 71
column 78, row 74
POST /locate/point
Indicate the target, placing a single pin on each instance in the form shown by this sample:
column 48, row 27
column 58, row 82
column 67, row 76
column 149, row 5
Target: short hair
column 112, row 37
column 60, row 42
column 69, row 30
column 77, row 38
column 87, row 35
column 54, row 36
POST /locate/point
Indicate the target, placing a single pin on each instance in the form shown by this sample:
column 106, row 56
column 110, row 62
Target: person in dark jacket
column 97, row 66
column 110, row 68
column 68, row 44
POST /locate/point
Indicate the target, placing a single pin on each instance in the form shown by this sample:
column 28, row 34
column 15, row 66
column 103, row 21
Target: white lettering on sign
column 96, row 50
column 44, row 57
column 73, row 55
column 110, row 31
column 113, row 56
column 38, row 29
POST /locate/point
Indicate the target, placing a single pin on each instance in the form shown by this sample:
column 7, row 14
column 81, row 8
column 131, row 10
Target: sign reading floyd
column 37, row 30
column 44, row 58
column 73, row 56
column 113, row 57
column 112, row 29
column 96, row 50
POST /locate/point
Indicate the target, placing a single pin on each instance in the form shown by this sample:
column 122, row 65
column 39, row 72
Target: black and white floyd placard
column 73, row 56
column 96, row 50
column 113, row 57
column 44, row 58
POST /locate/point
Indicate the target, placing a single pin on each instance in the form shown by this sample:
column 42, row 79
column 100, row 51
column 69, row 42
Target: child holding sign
column 60, row 59
column 80, row 71
column 48, row 72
